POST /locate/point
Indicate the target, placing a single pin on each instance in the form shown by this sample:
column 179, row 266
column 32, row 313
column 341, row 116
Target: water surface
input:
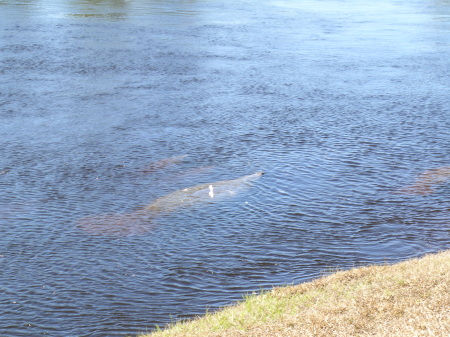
column 340, row 103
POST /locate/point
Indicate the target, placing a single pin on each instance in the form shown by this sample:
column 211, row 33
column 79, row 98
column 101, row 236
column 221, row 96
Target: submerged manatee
column 161, row 164
column 140, row 221
column 426, row 181
column 200, row 193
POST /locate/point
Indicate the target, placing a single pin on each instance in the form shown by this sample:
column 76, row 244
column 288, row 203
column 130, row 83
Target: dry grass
column 411, row 298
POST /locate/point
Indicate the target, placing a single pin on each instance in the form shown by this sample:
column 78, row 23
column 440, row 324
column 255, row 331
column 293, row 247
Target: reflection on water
column 341, row 103
column 122, row 9
column 110, row 10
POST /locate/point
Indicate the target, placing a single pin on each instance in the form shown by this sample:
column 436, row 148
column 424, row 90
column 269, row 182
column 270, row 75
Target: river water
column 340, row 103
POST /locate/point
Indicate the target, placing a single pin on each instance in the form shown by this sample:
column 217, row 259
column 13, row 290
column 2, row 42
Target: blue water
column 340, row 103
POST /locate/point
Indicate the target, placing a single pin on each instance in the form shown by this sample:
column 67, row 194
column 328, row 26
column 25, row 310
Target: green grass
column 411, row 298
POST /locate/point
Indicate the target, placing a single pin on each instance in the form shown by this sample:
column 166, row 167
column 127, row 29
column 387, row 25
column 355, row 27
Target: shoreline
column 409, row 298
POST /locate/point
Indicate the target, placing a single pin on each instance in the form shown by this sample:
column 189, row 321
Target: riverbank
column 411, row 298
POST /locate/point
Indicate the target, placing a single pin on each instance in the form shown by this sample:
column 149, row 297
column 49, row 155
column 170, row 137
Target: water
column 340, row 103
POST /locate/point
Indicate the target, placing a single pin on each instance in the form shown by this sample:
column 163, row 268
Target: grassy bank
column 411, row 298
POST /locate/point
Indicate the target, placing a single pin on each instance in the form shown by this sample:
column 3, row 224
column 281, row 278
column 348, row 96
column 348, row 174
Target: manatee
column 425, row 182
column 162, row 164
column 192, row 172
column 141, row 220
column 201, row 193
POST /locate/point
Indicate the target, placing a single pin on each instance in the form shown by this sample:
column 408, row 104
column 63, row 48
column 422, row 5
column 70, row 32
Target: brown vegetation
column 411, row 298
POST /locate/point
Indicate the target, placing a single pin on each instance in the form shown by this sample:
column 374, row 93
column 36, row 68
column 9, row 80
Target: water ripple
column 338, row 125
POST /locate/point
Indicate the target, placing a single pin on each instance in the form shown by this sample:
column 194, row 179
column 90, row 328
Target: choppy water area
column 339, row 103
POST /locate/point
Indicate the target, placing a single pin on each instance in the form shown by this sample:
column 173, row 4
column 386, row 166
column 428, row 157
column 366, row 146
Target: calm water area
column 340, row 103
